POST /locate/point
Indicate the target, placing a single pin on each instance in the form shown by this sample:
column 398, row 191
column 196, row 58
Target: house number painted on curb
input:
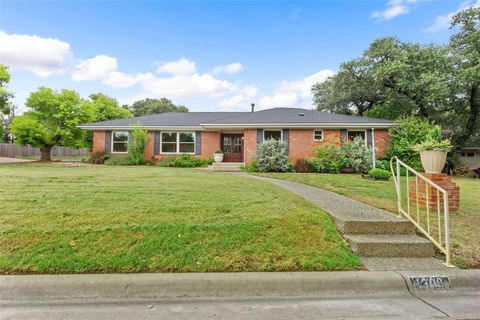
column 430, row 282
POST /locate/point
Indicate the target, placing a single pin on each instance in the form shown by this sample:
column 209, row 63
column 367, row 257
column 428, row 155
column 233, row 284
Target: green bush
column 252, row 167
column 119, row 161
column 97, row 158
column 385, row 165
column 404, row 135
column 379, row 174
column 136, row 145
column 184, row 161
column 358, row 156
column 272, row 156
column 328, row 159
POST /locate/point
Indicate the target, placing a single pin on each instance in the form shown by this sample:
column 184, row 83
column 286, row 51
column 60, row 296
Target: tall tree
column 465, row 48
column 153, row 106
column 106, row 108
column 6, row 106
column 52, row 120
column 390, row 79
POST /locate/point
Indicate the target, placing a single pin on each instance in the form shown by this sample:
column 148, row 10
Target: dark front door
column 232, row 146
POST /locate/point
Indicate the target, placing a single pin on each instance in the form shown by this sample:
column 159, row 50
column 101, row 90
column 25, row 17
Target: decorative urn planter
column 218, row 157
column 433, row 161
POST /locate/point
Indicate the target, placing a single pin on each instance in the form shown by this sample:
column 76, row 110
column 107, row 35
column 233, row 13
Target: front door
column 232, row 146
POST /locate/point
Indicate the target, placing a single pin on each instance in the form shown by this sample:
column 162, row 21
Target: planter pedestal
column 444, row 181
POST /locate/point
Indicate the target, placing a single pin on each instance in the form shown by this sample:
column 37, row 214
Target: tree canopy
column 6, row 107
column 153, row 106
column 393, row 78
column 106, row 108
column 52, row 120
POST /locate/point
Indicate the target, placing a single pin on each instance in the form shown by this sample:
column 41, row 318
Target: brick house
column 239, row 133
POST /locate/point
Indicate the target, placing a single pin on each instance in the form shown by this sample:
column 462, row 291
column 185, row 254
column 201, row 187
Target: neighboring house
column 239, row 133
column 471, row 157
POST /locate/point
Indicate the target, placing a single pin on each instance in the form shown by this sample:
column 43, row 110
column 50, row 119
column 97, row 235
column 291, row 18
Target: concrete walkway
column 287, row 295
column 12, row 160
column 382, row 240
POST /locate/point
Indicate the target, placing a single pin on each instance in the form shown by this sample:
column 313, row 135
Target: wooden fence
column 15, row 150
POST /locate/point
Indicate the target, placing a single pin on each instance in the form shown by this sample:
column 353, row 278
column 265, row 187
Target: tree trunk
column 46, row 153
column 474, row 105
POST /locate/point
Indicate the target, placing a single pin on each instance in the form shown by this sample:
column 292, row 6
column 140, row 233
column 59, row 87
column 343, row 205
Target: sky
column 206, row 55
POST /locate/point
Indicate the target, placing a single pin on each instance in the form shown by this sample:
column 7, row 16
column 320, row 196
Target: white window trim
column 177, row 142
column 314, row 139
column 281, row 133
column 356, row 130
column 111, row 142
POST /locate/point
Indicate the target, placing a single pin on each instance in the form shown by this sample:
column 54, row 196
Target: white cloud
column 240, row 101
column 294, row 93
column 181, row 66
column 394, row 9
column 229, row 68
column 42, row 56
column 104, row 68
column 194, row 85
column 443, row 21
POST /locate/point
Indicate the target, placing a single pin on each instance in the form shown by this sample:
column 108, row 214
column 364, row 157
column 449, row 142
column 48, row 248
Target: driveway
column 12, row 160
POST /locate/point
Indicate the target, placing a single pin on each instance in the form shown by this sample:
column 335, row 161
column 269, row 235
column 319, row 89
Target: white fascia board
column 302, row 125
column 97, row 128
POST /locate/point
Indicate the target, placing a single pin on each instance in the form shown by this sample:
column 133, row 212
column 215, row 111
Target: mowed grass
column 464, row 224
column 58, row 218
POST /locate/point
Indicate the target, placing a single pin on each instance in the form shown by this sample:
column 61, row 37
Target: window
column 272, row 134
column 119, row 141
column 178, row 142
column 187, row 142
column 468, row 154
column 317, row 134
column 353, row 134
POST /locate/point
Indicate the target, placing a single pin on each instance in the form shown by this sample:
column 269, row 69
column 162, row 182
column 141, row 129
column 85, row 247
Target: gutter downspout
column 373, row 147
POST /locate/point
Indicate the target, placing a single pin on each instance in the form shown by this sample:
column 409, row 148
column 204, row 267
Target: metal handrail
column 443, row 246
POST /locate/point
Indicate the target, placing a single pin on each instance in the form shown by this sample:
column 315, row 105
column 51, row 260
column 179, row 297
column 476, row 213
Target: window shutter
column 285, row 138
column 156, row 142
column 259, row 137
column 369, row 138
column 108, row 141
column 198, row 142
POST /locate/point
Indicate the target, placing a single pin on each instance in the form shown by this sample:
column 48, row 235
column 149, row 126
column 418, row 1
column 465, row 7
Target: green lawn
column 464, row 224
column 57, row 218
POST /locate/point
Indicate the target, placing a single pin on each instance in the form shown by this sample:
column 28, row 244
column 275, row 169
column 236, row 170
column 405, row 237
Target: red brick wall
column 302, row 145
column 149, row 147
column 382, row 140
column 210, row 143
column 249, row 144
column 98, row 141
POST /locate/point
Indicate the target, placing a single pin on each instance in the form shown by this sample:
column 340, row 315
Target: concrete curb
column 38, row 288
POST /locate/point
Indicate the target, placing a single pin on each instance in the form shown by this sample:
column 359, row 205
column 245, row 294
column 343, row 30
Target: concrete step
column 392, row 245
column 225, row 166
column 376, row 227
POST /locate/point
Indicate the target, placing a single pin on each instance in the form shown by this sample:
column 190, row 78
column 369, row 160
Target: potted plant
column 218, row 156
column 433, row 151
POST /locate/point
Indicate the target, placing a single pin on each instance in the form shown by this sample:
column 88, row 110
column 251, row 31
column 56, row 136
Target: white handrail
column 444, row 245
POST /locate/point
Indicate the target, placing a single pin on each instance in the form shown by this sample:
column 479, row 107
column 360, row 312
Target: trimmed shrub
column 97, row 158
column 252, row 167
column 119, row 161
column 379, row 174
column 358, row 156
column 136, row 145
column 328, row 159
column 272, row 156
column 184, row 161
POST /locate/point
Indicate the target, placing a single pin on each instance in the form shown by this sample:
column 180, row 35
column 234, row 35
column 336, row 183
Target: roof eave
column 101, row 128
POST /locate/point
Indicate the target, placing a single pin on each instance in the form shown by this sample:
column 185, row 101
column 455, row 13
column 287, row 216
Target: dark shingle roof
column 170, row 119
column 294, row 115
column 288, row 116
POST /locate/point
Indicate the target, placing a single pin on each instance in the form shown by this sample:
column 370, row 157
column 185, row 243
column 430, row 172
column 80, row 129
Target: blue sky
column 215, row 55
